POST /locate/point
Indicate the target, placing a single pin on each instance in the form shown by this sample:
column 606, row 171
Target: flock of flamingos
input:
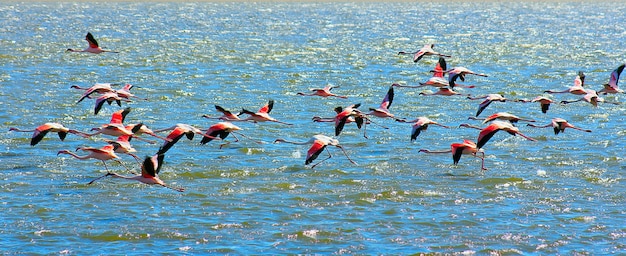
column 150, row 167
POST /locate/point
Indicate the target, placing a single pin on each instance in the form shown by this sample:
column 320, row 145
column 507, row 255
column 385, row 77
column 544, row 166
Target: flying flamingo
column 122, row 145
column 444, row 91
column 140, row 128
column 103, row 154
column 426, row 50
column 612, row 86
column 459, row 73
column 221, row 130
column 468, row 147
column 319, row 143
column 559, row 125
column 109, row 98
column 323, row 92
column 488, row 99
column 177, row 132
column 149, row 173
column 576, row 89
column 343, row 114
column 126, row 94
column 544, row 102
column 502, row 116
column 100, row 88
column 93, row 46
column 485, row 134
column 437, row 80
column 226, row 115
column 40, row 132
column 592, row 98
column 263, row 115
column 420, row 124
column 383, row 110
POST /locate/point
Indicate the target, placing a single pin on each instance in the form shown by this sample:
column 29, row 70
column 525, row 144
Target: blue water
column 559, row 195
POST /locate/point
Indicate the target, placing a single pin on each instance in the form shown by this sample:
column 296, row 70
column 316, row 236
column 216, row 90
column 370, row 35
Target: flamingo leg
column 329, row 156
column 346, row 154
column 92, row 181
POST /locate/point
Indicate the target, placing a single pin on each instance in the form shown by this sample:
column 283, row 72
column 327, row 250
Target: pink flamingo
column 591, row 97
column 109, row 98
column 319, row 143
column 486, row 133
column 149, row 173
column 444, row 91
column 323, row 92
column 502, row 116
column 100, row 88
column 468, row 147
column 544, row 102
column 93, row 46
column 459, row 73
column 122, row 145
column 177, row 132
column 263, row 115
column 221, row 130
column 40, row 132
column 559, row 125
column 612, row 86
column 226, row 115
column 488, row 99
column 420, row 124
column 103, row 154
column 424, row 51
column 383, row 110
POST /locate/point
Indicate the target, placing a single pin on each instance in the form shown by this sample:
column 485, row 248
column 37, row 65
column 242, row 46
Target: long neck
column 19, row 130
column 291, row 142
column 435, row 152
column 75, row 155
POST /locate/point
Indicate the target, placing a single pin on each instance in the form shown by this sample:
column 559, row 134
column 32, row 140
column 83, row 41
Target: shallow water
column 560, row 195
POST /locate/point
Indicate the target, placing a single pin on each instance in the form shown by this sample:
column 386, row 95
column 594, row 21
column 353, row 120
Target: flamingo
column 459, row 73
column 221, row 130
column 109, row 98
column 226, row 115
column 177, row 132
column 383, row 110
column 486, row 133
column 591, row 97
column 122, row 145
column 612, row 86
column 319, row 143
column 420, row 124
column 544, row 102
column 93, row 46
column 559, row 125
column 100, row 88
column 424, row 51
column 103, row 154
column 503, row 116
column 140, row 128
column 437, row 80
column 576, row 89
column 323, row 92
column 468, row 147
column 149, row 173
column 344, row 114
column 262, row 115
column 488, row 99
column 443, row 91
column 126, row 94
column 40, row 132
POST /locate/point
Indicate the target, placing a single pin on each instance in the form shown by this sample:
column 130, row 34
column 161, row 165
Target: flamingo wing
column 267, row 108
column 92, row 41
column 388, row 99
column 118, row 116
column 615, row 76
column 482, row 106
column 315, row 150
column 457, row 152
